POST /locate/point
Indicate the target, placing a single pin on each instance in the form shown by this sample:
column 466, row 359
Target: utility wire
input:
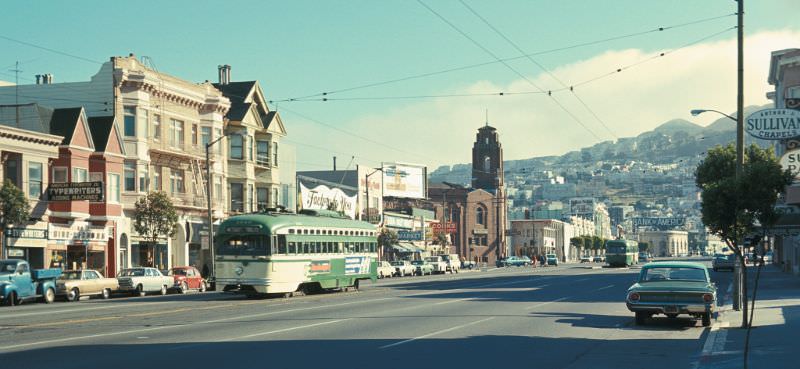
column 564, row 108
column 50, row 50
column 472, row 66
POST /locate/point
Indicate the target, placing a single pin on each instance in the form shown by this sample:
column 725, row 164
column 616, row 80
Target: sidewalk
column 776, row 326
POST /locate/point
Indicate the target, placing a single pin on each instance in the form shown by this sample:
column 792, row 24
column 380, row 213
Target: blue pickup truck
column 19, row 283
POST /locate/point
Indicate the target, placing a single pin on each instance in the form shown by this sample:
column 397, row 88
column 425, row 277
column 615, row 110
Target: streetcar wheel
column 73, row 295
column 106, row 294
column 49, row 296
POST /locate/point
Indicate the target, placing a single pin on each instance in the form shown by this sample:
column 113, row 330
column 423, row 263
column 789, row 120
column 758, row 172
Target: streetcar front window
column 253, row 245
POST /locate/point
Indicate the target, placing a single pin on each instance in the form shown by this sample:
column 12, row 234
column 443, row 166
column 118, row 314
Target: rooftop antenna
column 487, row 117
column 16, row 71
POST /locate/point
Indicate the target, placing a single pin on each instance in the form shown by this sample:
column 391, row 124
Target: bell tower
column 487, row 160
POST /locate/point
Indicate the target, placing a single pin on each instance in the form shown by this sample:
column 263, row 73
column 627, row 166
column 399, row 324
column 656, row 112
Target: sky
column 353, row 50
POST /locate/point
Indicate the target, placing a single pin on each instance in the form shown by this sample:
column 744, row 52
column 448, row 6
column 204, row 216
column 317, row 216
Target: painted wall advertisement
column 322, row 197
column 405, row 180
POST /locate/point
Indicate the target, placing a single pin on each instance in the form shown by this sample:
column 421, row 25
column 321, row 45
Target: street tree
column 597, row 243
column 155, row 217
column 386, row 238
column 732, row 207
column 587, row 242
column 14, row 209
column 576, row 242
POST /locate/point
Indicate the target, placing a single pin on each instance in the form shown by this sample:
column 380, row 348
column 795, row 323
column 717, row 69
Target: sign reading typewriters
column 75, row 191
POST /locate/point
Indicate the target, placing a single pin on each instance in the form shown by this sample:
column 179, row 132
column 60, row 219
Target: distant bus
column 622, row 253
column 281, row 253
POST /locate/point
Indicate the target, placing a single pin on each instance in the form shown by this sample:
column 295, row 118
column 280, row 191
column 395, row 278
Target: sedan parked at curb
column 672, row 288
column 185, row 278
column 422, row 267
column 723, row 261
column 76, row 283
column 385, row 270
column 141, row 280
column 403, row 268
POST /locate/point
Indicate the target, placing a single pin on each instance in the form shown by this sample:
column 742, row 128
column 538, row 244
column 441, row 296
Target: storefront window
column 148, row 255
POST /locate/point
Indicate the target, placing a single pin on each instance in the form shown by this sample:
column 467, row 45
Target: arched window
column 480, row 215
column 487, row 164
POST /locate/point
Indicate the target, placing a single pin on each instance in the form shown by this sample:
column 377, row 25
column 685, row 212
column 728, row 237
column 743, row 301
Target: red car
column 187, row 278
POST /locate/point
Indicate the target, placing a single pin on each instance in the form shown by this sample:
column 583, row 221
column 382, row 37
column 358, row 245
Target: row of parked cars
column 550, row 259
column 19, row 283
column 427, row 266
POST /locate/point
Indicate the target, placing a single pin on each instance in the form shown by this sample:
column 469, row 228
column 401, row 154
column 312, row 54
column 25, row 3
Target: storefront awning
column 411, row 247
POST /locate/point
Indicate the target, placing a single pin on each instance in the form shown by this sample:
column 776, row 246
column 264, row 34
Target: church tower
column 487, row 160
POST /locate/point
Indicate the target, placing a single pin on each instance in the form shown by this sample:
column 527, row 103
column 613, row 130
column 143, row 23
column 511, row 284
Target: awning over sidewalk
column 406, row 247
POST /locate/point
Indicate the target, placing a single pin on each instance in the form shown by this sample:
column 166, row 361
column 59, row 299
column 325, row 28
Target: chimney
column 49, row 78
column 334, row 163
column 224, row 74
column 38, row 79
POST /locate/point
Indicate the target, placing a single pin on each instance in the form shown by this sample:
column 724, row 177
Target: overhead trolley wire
column 477, row 65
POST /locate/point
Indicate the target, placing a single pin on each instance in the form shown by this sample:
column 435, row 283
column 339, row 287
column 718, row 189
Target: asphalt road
column 564, row 317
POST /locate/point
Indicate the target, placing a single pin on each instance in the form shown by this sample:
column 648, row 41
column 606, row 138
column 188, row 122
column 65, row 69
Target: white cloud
column 630, row 102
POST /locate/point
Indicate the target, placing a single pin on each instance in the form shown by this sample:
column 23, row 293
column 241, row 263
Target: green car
column 672, row 288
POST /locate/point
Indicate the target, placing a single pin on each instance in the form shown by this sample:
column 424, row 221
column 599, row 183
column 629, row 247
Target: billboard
column 405, row 180
column 659, row 222
column 581, row 205
column 319, row 196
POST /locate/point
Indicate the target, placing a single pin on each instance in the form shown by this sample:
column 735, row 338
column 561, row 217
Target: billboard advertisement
column 582, row 205
column 405, row 180
column 319, row 196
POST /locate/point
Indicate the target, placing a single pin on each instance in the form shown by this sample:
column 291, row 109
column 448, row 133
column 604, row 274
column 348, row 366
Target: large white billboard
column 327, row 198
column 405, row 180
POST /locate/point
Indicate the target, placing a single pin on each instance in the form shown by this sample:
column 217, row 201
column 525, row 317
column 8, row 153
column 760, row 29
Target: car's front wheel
column 163, row 290
column 73, row 295
column 184, row 288
column 106, row 294
column 49, row 296
column 641, row 318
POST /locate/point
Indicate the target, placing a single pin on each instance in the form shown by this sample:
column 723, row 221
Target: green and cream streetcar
column 622, row 253
column 280, row 252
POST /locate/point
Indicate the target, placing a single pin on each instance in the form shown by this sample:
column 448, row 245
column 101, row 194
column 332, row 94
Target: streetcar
column 277, row 252
column 622, row 253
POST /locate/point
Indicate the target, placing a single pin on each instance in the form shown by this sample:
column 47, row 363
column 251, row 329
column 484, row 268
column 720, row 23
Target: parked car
column 453, row 262
column 19, row 283
column 551, row 259
column 402, row 268
column 468, row 264
column 385, row 270
column 586, row 259
column 185, row 278
column 515, row 261
column 422, row 267
column 723, row 261
column 599, row 259
column 672, row 288
column 141, row 280
column 76, row 283
column 438, row 264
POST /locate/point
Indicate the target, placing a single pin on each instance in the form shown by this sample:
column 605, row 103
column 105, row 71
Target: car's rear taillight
column 707, row 297
column 633, row 296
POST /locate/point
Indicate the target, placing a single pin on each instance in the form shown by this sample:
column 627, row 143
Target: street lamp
column 209, row 181
column 696, row 112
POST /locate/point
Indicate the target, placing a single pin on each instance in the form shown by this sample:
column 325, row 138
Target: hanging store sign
column 75, row 191
column 447, row 227
column 409, row 235
column 30, row 233
column 791, row 161
column 773, row 124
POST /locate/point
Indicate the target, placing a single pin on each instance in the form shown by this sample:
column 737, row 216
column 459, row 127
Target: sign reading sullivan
column 774, row 124
column 75, row 191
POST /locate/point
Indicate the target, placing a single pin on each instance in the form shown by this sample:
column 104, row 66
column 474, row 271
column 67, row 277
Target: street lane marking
column 604, row 288
column 55, row 312
column 67, row 339
column 547, row 303
column 452, row 301
column 283, row 330
column 434, row 333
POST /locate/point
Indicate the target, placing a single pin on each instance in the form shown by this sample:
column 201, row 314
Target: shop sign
column 773, row 124
column 791, row 161
column 26, row 233
column 659, row 222
column 480, row 231
column 78, row 234
column 446, row 227
column 409, row 235
column 75, row 191
column 15, row 253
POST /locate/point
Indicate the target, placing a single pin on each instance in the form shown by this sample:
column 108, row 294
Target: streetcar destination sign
column 773, row 124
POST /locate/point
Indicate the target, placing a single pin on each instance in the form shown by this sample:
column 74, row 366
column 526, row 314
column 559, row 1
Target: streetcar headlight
column 239, row 270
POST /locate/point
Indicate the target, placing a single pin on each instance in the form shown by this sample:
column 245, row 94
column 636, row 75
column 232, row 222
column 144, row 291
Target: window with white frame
column 143, row 177
column 34, row 180
column 129, row 113
column 79, row 174
column 262, row 197
column 237, row 197
column 176, row 133
column 157, row 178
column 156, row 127
column 113, row 187
column 262, row 153
column 236, row 144
column 59, row 174
column 205, row 136
column 176, row 180
column 130, row 177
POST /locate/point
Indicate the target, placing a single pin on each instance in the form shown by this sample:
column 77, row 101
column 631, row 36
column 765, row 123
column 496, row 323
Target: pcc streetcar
column 622, row 253
column 277, row 252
